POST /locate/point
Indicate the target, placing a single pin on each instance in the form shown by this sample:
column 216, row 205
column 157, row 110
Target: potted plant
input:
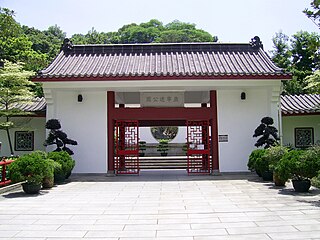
column 66, row 162
column 300, row 166
column 59, row 174
column 163, row 147
column 185, row 148
column 273, row 155
column 48, row 179
column 268, row 138
column 263, row 167
column 30, row 168
column 253, row 158
column 305, row 166
column 142, row 148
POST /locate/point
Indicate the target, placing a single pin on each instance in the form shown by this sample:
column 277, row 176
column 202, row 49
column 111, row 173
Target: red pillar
column 110, row 122
column 214, row 131
column 205, row 132
column 122, row 143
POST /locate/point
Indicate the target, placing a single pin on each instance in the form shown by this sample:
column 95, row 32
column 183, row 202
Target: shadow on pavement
column 160, row 175
column 22, row 194
column 290, row 191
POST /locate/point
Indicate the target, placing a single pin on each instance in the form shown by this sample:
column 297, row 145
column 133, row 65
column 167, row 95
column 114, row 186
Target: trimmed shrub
column 31, row 167
column 253, row 158
column 65, row 160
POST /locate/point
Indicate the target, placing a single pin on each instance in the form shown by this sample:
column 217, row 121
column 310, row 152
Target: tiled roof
column 37, row 105
column 300, row 104
column 183, row 60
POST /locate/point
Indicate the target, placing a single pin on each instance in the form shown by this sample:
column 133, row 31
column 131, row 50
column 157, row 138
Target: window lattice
column 303, row 137
column 24, row 141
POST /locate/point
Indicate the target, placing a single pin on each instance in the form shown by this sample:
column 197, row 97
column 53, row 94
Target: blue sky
column 230, row 20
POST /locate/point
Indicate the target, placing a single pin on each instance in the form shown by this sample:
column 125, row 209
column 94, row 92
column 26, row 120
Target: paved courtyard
column 161, row 205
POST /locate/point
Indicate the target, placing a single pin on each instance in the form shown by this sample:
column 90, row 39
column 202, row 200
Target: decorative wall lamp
column 80, row 98
column 243, row 96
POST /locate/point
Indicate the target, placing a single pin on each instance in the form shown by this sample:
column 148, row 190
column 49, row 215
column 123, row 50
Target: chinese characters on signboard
column 162, row 99
column 223, row 138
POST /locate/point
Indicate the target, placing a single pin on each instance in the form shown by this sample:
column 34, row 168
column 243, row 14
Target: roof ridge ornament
column 67, row 45
column 256, row 43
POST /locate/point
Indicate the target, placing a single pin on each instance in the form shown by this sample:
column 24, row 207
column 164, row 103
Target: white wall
column 289, row 123
column 85, row 122
column 36, row 124
column 238, row 119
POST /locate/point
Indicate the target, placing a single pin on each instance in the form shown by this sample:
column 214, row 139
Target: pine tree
column 268, row 133
column 58, row 137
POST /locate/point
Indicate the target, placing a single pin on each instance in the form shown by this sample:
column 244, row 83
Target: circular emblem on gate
column 164, row 132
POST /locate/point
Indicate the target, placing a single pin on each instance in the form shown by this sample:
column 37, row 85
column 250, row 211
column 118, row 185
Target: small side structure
column 31, row 133
column 301, row 120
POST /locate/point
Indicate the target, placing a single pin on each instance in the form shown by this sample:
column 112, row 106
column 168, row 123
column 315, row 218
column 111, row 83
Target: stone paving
column 161, row 205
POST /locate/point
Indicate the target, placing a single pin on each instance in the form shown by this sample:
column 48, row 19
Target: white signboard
column 223, row 138
column 162, row 99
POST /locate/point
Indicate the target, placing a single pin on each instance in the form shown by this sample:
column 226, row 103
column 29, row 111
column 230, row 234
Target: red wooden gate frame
column 198, row 147
column 126, row 147
column 149, row 116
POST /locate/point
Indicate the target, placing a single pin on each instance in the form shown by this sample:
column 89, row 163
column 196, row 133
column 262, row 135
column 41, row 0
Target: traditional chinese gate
column 126, row 147
column 198, row 147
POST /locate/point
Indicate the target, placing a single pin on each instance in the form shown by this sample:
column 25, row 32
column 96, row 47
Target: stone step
column 169, row 162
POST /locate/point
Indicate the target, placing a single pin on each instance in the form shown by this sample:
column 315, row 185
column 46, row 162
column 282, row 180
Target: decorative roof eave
column 290, row 114
column 304, row 104
column 35, row 107
column 163, row 77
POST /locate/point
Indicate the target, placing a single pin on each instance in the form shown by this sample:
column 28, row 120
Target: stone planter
column 48, row 182
column 59, row 178
column 301, row 185
column 31, row 188
column 267, row 176
column 277, row 181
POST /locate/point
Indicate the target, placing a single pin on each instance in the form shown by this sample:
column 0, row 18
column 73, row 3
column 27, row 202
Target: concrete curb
column 11, row 188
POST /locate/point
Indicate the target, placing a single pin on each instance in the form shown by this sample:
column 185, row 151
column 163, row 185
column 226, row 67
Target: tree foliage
column 313, row 83
column 46, row 42
column 8, row 26
column 14, row 88
column 149, row 32
column 314, row 13
column 300, row 55
column 281, row 53
column 37, row 48
column 15, row 46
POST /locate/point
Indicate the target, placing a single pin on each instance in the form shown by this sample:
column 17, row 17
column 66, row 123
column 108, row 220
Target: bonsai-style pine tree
column 58, row 137
column 269, row 134
column 14, row 90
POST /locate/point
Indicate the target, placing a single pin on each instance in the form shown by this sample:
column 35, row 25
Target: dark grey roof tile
column 156, row 60
column 36, row 105
column 300, row 104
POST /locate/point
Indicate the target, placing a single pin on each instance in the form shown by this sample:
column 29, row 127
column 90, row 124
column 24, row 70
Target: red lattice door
column 198, row 147
column 127, row 147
